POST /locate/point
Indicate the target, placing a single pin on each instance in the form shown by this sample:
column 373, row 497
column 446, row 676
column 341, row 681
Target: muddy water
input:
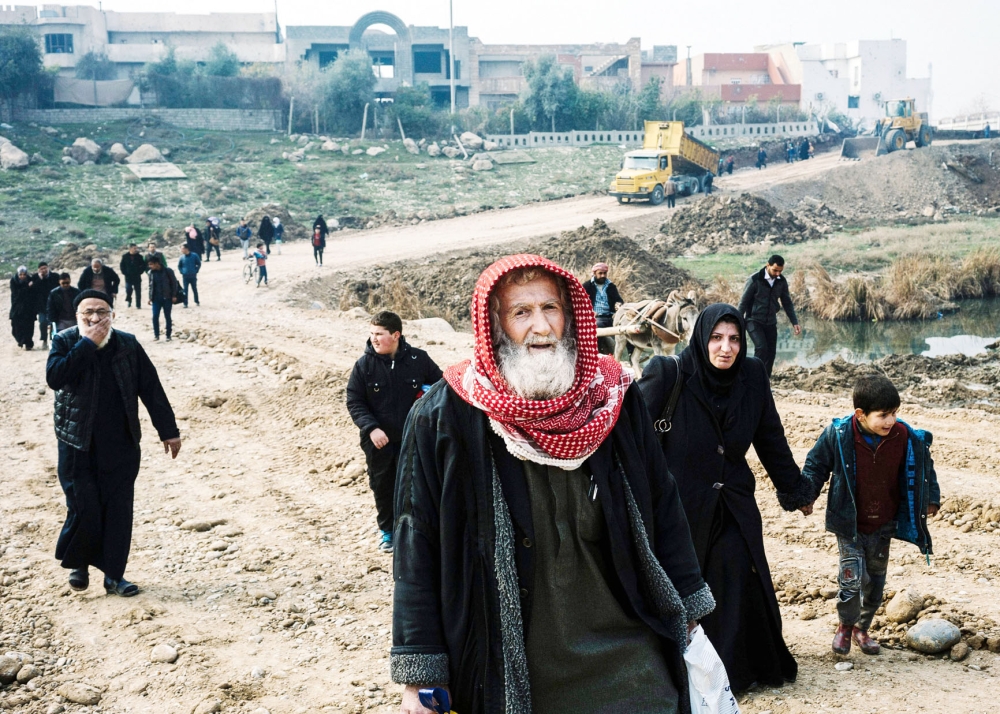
column 968, row 331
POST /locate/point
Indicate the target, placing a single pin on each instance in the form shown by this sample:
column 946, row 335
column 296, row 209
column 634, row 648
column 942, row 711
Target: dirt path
column 284, row 604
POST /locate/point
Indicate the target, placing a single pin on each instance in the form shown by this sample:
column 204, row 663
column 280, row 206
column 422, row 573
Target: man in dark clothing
column 99, row 375
column 385, row 382
column 709, row 179
column 765, row 291
column 162, row 289
column 730, row 162
column 100, row 277
column 195, row 241
column 605, row 298
column 42, row 283
column 152, row 251
column 213, row 238
column 761, row 158
column 188, row 266
column 133, row 267
column 22, row 309
column 60, row 308
column 266, row 233
column 543, row 561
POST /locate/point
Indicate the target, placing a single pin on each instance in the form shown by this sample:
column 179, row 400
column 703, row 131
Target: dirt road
column 283, row 605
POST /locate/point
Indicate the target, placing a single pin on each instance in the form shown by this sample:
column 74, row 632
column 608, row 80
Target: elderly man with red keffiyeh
column 543, row 561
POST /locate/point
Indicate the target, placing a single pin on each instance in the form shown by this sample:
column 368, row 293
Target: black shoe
column 122, row 588
column 79, row 579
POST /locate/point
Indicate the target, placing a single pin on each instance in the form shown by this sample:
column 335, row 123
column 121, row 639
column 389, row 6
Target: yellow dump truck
column 667, row 154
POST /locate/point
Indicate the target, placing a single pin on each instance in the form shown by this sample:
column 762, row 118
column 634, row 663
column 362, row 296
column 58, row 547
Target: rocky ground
column 262, row 588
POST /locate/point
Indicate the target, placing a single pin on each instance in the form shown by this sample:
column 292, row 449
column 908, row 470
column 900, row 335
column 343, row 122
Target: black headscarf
column 695, row 357
column 321, row 224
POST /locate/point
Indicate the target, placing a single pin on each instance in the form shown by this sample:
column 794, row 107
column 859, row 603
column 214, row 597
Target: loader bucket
column 862, row 146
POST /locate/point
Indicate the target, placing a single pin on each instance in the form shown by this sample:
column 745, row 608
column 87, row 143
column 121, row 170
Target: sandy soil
column 284, row 605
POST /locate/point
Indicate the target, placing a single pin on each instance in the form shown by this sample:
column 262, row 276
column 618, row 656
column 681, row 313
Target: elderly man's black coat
column 111, row 280
column 448, row 621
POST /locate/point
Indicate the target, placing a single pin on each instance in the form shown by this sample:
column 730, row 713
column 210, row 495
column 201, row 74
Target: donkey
column 663, row 323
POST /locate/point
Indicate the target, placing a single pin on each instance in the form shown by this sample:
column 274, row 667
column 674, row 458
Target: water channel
column 967, row 331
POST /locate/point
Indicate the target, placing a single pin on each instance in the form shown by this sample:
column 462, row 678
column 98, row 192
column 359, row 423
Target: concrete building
column 406, row 55
column 735, row 78
column 852, row 78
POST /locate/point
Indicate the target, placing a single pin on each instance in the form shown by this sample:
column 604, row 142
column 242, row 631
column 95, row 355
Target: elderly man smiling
column 543, row 561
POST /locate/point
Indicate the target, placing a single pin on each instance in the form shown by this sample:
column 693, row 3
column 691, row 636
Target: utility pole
column 451, row 51
column 688, row 67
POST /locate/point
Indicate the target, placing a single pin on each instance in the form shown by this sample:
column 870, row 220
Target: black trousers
column 318, row 254
column 208, row 253
column 129, row 287
column 671, row 200
column 382, row 480
column 99, row 497
column 765, row 343
column 23, row 330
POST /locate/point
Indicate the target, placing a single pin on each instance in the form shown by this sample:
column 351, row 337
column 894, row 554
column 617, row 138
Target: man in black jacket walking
column 60, row 310
column 100, row 277
column 99, row 375
column 385, row 382
column 42, row 283
column 764, row 293
column 133, row 266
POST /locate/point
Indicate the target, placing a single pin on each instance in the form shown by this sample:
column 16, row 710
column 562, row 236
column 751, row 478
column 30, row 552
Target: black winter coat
column 42, row 287
column 760, row 301
column 162, row 285
column 449, row 562
column 382, row 389
column 614, row 297
column 22, row 299
column 133, row 267
column 56, row 309
column 111, row 279
column 73, row 373
column 708, row 459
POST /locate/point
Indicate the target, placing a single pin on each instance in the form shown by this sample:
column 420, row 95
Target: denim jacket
column 834, row 454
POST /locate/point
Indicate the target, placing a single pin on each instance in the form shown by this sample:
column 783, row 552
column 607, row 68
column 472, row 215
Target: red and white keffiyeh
column 561, row 432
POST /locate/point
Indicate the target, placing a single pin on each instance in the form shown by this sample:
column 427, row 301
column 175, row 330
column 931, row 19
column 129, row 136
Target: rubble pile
column 718, row 221
column 74, row 256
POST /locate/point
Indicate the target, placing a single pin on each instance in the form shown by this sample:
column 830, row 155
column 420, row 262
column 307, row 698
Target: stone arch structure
column 404, row 51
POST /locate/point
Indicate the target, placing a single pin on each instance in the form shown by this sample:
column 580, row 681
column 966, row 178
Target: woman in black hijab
column 725, row 405
column 321, row 224
column 266, row 233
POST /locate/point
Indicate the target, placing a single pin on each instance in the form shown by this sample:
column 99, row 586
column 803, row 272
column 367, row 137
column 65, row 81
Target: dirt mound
column 75, row 256
column 714, row 222
column 952, row 381
column 915, row 185
column 441, row 286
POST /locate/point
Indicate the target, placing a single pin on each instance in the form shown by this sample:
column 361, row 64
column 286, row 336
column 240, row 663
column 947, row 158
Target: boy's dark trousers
column 765, row 342
column 863, row 565
column 382, row 479
column 135, row 285
column 190, row 289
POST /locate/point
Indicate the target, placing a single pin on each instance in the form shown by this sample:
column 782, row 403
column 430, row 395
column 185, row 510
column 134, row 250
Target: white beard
column 538, row 375
column 103, row 343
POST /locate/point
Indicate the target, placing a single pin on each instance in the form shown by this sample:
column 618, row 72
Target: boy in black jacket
column 884, row 486
column 385, row 382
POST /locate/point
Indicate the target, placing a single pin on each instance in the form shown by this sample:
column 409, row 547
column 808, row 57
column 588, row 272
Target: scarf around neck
column 563, row 431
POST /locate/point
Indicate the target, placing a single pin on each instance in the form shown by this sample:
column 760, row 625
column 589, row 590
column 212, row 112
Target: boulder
column 37, row 158
column 146, row 154
column 208, row 706
column 12, row 157
column 164, row 654
column 299, row 155
column 9, row 667
column 79, row 693
column 411, row 146
column 432, row 324
column 375, row 150
column 27, row 673
column 490, row 146
column 84, row 149
column 482, row 165
column 329, row 145
column 434, row 150
column 450, row 151
column 70, row 161
column 471, row 141
column 118, row 153
column 933, row 636
column 904, row 606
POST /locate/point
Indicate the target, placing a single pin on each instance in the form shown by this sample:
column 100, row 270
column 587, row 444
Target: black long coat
column 708, row 461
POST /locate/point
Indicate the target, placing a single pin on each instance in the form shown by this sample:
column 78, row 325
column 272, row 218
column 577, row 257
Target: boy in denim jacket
column 883, row 487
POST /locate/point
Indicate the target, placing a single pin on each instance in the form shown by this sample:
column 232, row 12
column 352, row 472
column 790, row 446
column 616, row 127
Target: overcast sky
column 957, row 37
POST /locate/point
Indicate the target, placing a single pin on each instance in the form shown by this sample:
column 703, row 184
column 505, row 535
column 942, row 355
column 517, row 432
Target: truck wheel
column 656, row 197
column 924, row 136
column 622, row 200
column 895, row 140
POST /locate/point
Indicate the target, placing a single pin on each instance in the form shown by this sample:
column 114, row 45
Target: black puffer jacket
column 72, row 372
column 382, row 389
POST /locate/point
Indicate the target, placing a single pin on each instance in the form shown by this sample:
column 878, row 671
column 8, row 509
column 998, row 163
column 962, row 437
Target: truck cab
column 643, row 174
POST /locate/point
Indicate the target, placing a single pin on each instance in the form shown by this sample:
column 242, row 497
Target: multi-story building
column 851, row 78
column 737, row 78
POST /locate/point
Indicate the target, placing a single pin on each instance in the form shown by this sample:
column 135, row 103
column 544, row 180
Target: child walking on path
column 883, row 487
column 261, row 257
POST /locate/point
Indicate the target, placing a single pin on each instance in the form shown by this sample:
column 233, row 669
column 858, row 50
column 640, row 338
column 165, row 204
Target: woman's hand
column 411, row 701
column 807, row 509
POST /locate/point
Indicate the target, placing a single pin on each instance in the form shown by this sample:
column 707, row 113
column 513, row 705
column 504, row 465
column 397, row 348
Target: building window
column 853, row 102
column 736, row 80
column 427, row 62
column 59, row 44
column 326, row 58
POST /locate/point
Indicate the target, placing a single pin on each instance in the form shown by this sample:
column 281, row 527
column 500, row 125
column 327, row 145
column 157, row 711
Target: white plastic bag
column 708, row 683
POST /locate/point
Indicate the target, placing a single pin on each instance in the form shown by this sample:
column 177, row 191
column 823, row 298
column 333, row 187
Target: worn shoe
column 866, row 643
column 122, row 588
column 385, row 541
column 79, row 579
column 842, row 639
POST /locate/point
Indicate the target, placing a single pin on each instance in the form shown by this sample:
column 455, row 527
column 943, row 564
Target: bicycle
column 250, row 270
